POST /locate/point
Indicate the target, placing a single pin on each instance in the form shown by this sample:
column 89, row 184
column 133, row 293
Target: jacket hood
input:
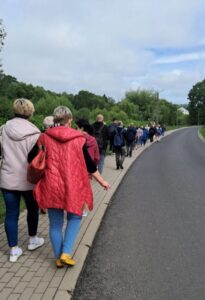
column 90, row 140
column 18, row 129
column 63, row 134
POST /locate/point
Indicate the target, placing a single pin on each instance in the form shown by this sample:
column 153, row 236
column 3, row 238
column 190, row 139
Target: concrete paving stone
column 42, row 287
column 46, row 251
column 62, row 295
column 22, row 271
column 41, row 272
column 46, row 263
column 13, row 282
column 55, row 282
column 27, row 293
column 28, row 276
column 34, row 282
column 49, row 294
column 13, row 297
column 5, row 293
column 7, row 277
column 4, row 258
column 61, row 272
column 36, row 297
column 49, row 275
column 2, row 272
column 14, row 267
column 23, row 258
column 2, row 285
column 29, row 262
column 20, row 287
column 35, row 266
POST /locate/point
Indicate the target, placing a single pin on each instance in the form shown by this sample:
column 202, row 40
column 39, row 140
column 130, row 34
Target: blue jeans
column 12, row 203
column 63, row 243
column 101, row 163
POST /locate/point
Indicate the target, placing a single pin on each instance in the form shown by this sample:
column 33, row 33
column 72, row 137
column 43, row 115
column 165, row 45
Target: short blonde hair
column 48, row 122
column 99, row 118
column 23, row 107
column 61, row 115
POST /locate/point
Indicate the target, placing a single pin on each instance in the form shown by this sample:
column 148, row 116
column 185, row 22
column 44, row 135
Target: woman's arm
column 91, row 168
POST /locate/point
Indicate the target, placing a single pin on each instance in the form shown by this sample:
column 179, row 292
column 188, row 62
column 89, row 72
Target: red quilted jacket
column 66, row 183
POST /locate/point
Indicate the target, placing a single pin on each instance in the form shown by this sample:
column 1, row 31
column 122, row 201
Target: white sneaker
column 35, row 243
column 15, row 254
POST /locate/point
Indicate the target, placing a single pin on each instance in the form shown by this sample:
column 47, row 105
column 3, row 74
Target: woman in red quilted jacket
column 66, row 185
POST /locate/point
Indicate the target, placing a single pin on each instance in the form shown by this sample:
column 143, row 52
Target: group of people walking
column 73, row 157
column 65, row 186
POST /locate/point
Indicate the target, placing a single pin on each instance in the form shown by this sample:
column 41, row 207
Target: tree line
column 138, row 107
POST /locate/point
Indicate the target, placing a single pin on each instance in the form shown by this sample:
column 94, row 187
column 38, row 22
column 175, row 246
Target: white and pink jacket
column 18, row 138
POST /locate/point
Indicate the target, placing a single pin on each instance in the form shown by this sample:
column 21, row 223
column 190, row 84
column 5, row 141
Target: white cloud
column 102, row 46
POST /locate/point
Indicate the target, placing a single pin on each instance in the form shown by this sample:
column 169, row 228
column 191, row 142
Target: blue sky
column 106, row 47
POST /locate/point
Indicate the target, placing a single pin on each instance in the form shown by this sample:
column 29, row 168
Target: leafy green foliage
column 138, row 107
column 196, row 105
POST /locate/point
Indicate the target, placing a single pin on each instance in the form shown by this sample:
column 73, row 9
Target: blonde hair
column 99, row 118
column 23, row 107
column 48, row 122
column 61, row 115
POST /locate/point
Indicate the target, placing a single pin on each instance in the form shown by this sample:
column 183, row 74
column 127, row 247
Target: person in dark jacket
column 119, row 145
column 130, row 135
column 91, row 143
column 112, row 128
column 100, row 132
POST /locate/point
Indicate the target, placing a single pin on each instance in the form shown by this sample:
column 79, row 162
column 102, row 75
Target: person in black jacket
column 100, row 132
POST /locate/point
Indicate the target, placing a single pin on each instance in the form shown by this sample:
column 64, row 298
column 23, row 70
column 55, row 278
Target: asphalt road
column 151, row 244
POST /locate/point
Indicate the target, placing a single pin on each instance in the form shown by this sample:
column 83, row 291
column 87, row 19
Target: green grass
column 202, row 131
column 2, row 208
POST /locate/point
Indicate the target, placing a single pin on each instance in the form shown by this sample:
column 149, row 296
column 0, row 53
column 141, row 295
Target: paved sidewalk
column 34, row 276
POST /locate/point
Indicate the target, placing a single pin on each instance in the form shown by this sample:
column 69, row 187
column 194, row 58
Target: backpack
column 118, row 139
column 130, row 134
column 97, row 133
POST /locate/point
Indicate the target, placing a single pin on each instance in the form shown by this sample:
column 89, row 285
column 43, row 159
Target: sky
column 106, row 46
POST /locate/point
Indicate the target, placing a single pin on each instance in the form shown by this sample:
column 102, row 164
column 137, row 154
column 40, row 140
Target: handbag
column 36, row 169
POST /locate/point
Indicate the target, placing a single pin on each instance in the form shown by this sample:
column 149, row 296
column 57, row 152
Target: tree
column 196, row 105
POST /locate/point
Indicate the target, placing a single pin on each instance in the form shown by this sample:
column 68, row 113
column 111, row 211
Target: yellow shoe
column 59, row 263
column 67, row 260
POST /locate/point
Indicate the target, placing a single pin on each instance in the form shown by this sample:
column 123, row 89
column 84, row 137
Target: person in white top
column 19, row 136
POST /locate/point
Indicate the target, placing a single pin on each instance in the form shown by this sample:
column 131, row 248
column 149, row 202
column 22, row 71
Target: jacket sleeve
column 91, row 167
column 32, row 153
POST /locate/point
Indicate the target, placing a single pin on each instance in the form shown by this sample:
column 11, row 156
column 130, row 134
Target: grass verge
column 202, row 131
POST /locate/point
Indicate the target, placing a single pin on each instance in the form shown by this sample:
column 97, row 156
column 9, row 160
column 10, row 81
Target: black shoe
column 117, row 167
column 121, row 167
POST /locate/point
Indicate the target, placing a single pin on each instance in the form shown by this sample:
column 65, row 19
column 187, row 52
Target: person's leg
column 122, row 156
column 56, row 219
column 71, row 232
column 101, row 163
column 32, row 220
column 117, row 158
column 32, row 212
column 12, row 203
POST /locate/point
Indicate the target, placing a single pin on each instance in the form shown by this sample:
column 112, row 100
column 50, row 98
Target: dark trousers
column 12, row 202
column 119, row 156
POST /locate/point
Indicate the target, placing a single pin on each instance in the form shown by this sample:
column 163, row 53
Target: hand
column 106, row 185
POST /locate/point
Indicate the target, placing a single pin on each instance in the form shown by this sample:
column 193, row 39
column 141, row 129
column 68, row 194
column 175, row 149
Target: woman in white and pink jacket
column 19, row 136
